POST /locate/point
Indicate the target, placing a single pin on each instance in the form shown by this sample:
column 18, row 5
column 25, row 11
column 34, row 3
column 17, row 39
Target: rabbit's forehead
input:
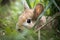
column 28, row 11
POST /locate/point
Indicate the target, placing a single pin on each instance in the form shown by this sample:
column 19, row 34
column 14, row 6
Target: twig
column 39, row 35
column 56, row 4
column 51, row 19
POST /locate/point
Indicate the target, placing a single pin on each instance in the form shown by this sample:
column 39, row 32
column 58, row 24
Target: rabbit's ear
column 25, row 4
column 37, row 10
column 26, row 7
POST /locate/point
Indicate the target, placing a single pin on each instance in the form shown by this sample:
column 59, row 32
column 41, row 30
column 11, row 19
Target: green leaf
column 28, row 2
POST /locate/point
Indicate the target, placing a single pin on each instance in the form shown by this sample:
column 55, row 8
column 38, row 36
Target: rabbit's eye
column 28, row 20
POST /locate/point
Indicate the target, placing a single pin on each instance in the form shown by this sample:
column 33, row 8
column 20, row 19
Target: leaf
column 28, row 2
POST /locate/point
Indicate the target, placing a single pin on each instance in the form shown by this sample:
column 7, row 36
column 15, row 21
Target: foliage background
column 9, row 13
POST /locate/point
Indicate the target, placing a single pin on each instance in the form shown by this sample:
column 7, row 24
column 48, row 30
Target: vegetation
column 10, row 11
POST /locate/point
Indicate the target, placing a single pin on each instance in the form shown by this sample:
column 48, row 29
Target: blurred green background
column 9, row 14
